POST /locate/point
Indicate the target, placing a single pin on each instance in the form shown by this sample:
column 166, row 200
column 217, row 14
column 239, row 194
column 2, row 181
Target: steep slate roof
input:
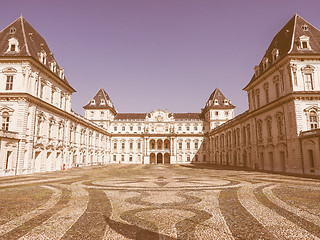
column 101, row 94
column 187, row 115
column 123, row 116
column 217, row 95
column 178, row 116
column 31, row 43
column 287, row 41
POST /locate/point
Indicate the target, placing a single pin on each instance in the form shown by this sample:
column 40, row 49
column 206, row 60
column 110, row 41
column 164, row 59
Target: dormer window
column 109, row 103
column 265, row 63
column 12, row 30
column 13, row 48
column 305, row 27
column 13, row 45
column 304, row 43
column 43, row 57
column 275, row 54
column 53, row 67
column 102, row 102
column 226, row 102
column 216, row 102
column 256, row 71
column 61, row 73
column 92, row 102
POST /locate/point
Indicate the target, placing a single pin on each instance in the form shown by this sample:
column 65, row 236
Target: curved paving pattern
column 164, row 202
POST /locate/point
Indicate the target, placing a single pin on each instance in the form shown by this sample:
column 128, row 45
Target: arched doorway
column 159, row 158
column 167, row 158
column 152, row 158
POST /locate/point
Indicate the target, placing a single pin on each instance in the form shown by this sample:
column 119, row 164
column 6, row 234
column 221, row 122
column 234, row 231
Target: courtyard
column 159, row 202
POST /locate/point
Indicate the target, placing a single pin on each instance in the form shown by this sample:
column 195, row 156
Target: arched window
column 313, row 118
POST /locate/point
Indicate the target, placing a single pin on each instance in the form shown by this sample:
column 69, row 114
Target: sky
column 158, row 54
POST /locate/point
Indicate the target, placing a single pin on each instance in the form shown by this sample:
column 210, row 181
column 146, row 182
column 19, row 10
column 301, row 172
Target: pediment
column 4, row 108
column 314, row 107
column 159, row 116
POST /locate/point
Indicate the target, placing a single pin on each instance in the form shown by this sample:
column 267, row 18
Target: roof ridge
column 24, row 34
column 294, row 32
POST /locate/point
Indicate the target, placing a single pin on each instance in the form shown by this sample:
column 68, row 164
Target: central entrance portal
column 159, row 158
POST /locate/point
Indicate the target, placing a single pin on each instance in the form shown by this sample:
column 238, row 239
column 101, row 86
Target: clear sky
column 151, row 54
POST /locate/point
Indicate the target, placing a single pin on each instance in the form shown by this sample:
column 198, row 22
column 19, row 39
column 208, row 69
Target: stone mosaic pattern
column 159, row 202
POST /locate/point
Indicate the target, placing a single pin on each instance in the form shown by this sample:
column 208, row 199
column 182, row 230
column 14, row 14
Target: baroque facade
column 280, row 131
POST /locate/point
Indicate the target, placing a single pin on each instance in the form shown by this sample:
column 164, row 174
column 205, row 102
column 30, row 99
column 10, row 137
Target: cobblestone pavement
column 159, row 202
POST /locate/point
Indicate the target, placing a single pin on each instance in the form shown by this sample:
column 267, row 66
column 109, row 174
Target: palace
column 280, row 131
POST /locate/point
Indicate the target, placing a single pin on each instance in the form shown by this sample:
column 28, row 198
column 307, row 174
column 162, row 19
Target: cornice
column 39, row 102
column 40, row 67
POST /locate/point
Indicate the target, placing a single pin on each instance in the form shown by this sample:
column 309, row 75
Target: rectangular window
column 115, row 146
column 277, row 90
column 115, row 128
column 139, row 128
column 131, row 128
column 304, row 45
column 5, row 121
column 9, row 83
column 188, row 145
column 130, row 159
column 271, row 161
column 41, row 90
column 188, row 158
column 123, row 146
column 267, row 95
column 196, row 145
column 282, row 161
column 311, row 160
column 131, row 145
column 114, row 158
column 122, row 158
column 139, row 145
column 313, row 117
column 308, row 82
column 52, row 96
column 180, row 145
column 123, row 128
column 13, row 48
column 8, row 159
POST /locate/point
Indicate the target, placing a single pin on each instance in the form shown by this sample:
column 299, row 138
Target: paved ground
column 159, row 202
